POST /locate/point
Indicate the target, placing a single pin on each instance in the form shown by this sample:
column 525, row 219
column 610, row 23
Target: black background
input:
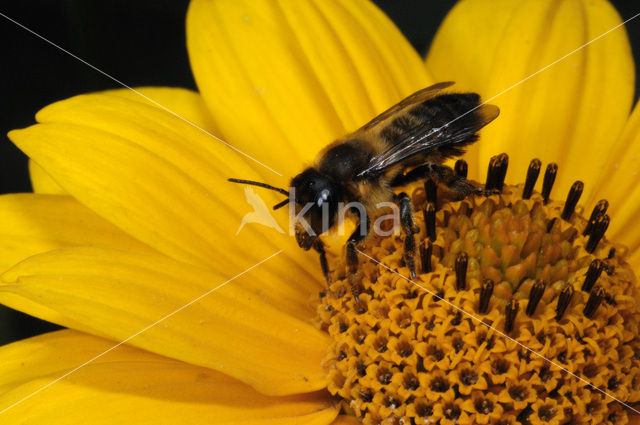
column 139, row 42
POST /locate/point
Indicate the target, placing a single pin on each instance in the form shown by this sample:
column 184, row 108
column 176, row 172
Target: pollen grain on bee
column 478, row 320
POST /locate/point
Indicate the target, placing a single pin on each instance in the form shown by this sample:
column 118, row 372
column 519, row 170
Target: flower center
column 508, row 289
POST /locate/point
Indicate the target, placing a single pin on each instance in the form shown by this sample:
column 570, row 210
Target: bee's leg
column 409, row 228
column 358, row 235
column 441, row 173
column 324, row 264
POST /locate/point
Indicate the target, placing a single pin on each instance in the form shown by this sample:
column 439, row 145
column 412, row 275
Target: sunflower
column 132, row 220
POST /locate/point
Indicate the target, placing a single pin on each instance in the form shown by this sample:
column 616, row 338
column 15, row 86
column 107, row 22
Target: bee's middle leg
column 358, row 235
column 409, row 228
column 440, row 173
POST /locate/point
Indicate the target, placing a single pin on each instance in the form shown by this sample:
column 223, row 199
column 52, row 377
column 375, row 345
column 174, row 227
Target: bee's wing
column 414, row 99
column 425, row 137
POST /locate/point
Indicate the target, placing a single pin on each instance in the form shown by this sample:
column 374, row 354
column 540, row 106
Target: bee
column 408, row 142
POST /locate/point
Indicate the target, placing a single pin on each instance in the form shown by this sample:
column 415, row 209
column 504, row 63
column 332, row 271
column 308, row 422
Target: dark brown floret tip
column 462, row 261
column 599, row 210
column 598, row 229
column 572, row 200
column 430, row 221
column 510, row 313
column 593, row 273
column 497, row 172
column 486, row 290
column 549, row 178
column 564, row 299
column 595, row 299
column 461, row 168
column 537, row 290
column 532, row 176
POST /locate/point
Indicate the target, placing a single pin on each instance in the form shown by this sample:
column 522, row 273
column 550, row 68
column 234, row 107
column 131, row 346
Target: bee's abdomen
column 450, row 113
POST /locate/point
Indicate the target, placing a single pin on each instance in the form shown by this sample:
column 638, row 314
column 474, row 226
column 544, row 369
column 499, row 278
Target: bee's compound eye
column 323, row 197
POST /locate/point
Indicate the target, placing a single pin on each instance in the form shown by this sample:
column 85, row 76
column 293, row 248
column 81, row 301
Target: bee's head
column 316, row 201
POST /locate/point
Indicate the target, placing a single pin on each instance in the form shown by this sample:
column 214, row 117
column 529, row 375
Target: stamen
column 511, row 312
column 430, row 221
column 572, row 200
column 486, row 290
column 597, row 232
column 461, row 168
column 426, row 250
column 535, row 295
column 594, row 272
column 461, row 271
column 599, row 210
column 431, row 190
column 549, row 178
column 594, row 301
column 532, row 176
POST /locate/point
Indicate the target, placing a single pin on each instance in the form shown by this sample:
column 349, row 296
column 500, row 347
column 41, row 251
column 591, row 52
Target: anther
column 430, row 221
column 426, row 249
column 549, row 178
column 461, row 168
column 594, row 272
column 461, row 271
column 502, row 171
column 564, row 299
column 486, row 290
column 599, row 210
column 511, row 311
column 431, row 191
column 535, row 295
column 532, row 176
column 597, row 232
column 572, row 200
column 594, row 301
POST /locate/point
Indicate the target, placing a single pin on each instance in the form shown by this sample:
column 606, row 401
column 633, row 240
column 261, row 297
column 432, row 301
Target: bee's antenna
column 266, row 186
column 281, row 204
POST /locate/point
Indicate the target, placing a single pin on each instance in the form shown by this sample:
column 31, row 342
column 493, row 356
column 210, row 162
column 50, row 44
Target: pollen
column 520, row 311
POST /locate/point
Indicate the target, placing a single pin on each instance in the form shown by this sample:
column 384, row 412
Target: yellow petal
column 184, row 103
column 41, row 182
column 620, row 185
column 160, row 180
column 233, row 330
column 284, row 78
column 132, row 386
column 569, row 113
column 465, row 45
column 32, row 223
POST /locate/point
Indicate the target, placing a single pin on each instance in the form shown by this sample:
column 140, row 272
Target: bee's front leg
column 318, row 246
column 409, row 228
column 358, row 235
